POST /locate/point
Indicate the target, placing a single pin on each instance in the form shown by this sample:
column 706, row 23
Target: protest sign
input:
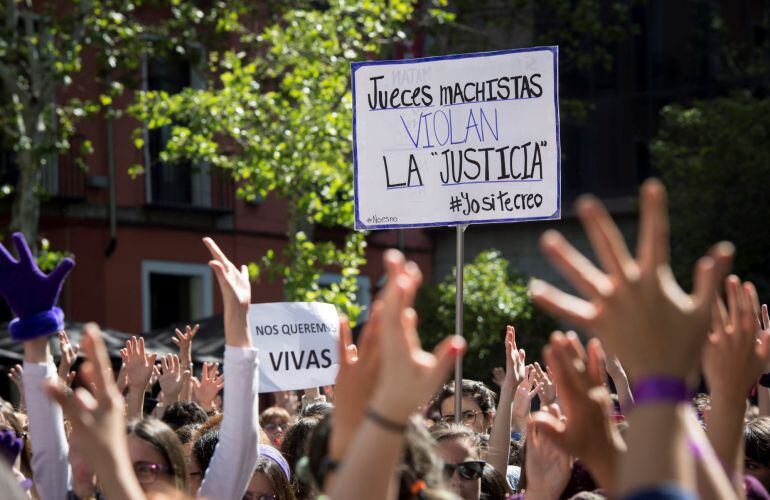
column 457, row 139
column 297, row 344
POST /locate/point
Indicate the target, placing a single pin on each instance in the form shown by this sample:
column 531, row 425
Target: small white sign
column 459, row 139
column 297, row 344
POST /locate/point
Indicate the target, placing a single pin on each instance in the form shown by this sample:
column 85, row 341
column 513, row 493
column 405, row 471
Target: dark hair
column 317, row 410
column 186, row 433
column 182, row 413
column 493, row 485
column 318, row 451
column 757, row 437
column 471, row 389
column 517, row 452
column 278, row 480
column 161, row 437
column 420, row 462
column 294, row 446
column 203, row 448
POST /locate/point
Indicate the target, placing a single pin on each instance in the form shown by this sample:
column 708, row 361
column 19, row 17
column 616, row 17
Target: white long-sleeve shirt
column 236, row 454
column 50, row 450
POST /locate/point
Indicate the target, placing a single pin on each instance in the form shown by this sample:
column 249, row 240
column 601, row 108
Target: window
column 363, row 295
column 173, row 292
column 182, row 183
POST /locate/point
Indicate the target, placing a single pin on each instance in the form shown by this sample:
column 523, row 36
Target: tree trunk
column 25, row 212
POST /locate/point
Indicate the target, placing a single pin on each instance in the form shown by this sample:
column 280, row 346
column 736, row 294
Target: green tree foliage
column 495, row 295
column 715, row 160
column 278, row 119
column 42, row 46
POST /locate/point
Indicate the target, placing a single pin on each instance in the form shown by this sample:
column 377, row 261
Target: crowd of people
column 617, row 415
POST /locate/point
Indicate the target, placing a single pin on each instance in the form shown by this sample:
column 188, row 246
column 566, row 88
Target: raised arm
column 236, row 453
column 732, row 362
column 369, row 465
column 637, row 309
column 32, row 297
column 515, row 374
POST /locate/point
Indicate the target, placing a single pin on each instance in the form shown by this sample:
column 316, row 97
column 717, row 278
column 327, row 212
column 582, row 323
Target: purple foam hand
column 31, row 294
column 10, row 446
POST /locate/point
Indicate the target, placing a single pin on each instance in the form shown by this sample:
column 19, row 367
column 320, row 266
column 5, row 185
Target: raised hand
column 635, row 306
column 407, row 377
column 498, row 375
column 234, row 283
column 514, row 360
column 526, row 391
column 516, row 376
column 172, row 377
column 236, row 295
column 544, row 378
column 97, row 419
column 16, row 375
column 403, row 362
column 206, row 389
column 139, row 364
column 31, row 294
column 548, row 466
column 588, row 431
column 356, row 379
column 122, row 379
column 736, row 354
column 69, row 354
column 184, row 342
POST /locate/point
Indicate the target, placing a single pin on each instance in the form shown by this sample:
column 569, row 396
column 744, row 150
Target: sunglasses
column 468, row 470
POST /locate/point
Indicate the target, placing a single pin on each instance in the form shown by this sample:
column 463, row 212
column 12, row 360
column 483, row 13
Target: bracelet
column 656, row 389
column 384, row 422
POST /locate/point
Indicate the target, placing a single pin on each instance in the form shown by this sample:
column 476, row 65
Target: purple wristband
column 656, row 389
column 38, row 325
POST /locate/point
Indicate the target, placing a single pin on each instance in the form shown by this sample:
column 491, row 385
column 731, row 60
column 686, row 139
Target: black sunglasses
column 467, row 470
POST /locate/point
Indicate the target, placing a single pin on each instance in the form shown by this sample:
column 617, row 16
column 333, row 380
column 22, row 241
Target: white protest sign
column 457, row 139
column 297, row 344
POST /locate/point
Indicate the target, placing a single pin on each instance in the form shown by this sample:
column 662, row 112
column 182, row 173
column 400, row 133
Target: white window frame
column 363, row 295
column 201, row 271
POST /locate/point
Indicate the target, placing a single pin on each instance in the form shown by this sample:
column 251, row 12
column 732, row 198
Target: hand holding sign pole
column 457, row 140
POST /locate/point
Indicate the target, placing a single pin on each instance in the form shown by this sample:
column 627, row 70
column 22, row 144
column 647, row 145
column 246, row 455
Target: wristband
column 38, row 325
column 656, row 389
column 385, row 423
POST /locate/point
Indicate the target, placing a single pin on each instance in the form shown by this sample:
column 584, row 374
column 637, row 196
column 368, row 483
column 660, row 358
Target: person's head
column 181, row 413
column 478, row 405
column 294, row 446
column 493, row 484
column 317, row 410
column 157, row 455
column 421, row 469
column 275, row 421
column 187, row 433
column 757, row 453
column 458, row 447
column 271, row 479
column 201, row 453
